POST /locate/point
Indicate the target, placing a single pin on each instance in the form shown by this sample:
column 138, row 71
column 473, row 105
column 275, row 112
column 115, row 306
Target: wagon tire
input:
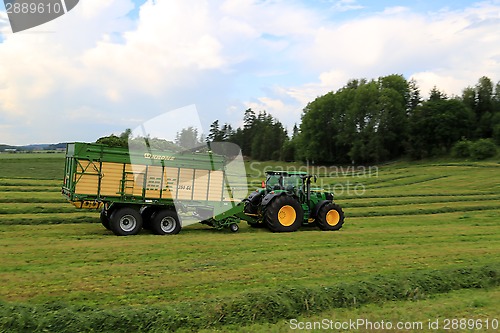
column 147, row 214
column 165, row 222
column 284, row 214
column 125, row 221
column 330, row 217
column 234, row 227
column 105, row 219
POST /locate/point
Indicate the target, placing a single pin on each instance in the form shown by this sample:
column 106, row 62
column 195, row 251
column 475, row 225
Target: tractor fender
column 255, row 197
column 269, row 197
column 319, row 205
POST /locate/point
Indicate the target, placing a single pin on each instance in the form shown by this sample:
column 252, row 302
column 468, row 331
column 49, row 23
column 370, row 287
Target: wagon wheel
column 105, row 219
column 147, row 216
column 125, row 221
column 165, row 222
column 234, row 227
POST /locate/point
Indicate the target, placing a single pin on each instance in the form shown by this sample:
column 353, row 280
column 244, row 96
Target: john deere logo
column 26, row 14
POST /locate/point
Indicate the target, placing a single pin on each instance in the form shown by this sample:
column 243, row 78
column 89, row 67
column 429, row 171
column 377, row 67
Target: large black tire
column 147, row 216
column 165, row 222
column 257, row 225
column 250, row 208
column 105, row 219
column 330, row 217
column 284, row 214
column 125, row 221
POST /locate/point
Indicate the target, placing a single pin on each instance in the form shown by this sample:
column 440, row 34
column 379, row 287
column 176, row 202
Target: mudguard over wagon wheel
column 165, row 222
column 125, row 221
column 330, row 217
column 104, row 217
column 284, row 214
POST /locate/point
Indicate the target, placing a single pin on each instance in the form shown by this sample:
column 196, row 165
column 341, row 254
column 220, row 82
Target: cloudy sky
column 108, row 65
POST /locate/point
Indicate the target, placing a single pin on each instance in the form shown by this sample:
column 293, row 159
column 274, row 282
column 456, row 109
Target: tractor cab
column 297, row 183
column 285, row 181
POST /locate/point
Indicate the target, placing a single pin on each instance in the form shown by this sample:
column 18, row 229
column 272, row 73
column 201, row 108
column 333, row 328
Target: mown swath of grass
column 43, row 188
column 36, row 208
column 52, row 218
column 396, row 182
column 374, row 180
column 427, row 208
column 28, row 182
column 34, row 197
column 34, row 200
column 407, row 182
column 473, row 304
column 257, row 306
column 439, row 210
column 469, row 164
column 417, row 195
column 396, row 201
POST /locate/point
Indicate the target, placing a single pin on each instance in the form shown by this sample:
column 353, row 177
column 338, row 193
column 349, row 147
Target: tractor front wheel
column 284, row 214
column 330, row 217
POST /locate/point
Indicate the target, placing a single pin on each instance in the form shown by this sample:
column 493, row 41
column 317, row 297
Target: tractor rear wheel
column 284, row 214
column 165, row 222
column 330, row 217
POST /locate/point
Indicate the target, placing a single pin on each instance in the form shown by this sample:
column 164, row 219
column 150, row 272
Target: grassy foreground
column 412, row 231
column 440, row 311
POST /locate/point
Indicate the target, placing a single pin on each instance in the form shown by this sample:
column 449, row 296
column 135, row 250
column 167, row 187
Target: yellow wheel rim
column 287, row 215
column 332, row 217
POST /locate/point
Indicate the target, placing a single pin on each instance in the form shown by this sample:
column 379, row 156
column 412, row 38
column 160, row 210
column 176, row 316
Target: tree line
column 373, row 121
column 365, row 121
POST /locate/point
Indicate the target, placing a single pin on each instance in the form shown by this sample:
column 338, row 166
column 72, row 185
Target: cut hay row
column 33, row 197
column 29, row 182
column 398, row 201
column 37, row 208
column 426, row 211
column 50, row 218
column 42, row 188
column 249, row 308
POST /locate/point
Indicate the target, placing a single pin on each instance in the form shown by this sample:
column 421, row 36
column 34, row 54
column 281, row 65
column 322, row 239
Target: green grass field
column 408, row 226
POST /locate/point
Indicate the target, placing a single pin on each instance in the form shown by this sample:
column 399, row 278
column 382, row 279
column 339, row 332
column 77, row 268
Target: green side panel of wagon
column 96, row 173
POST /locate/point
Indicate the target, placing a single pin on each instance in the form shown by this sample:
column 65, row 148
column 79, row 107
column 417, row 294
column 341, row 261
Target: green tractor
column 287, row 201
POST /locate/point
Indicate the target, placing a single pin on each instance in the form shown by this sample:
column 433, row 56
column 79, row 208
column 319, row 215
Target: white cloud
column 280, row 109
column 346, row 5
column 99, row 71
column 4, row 23
column 449, row 49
